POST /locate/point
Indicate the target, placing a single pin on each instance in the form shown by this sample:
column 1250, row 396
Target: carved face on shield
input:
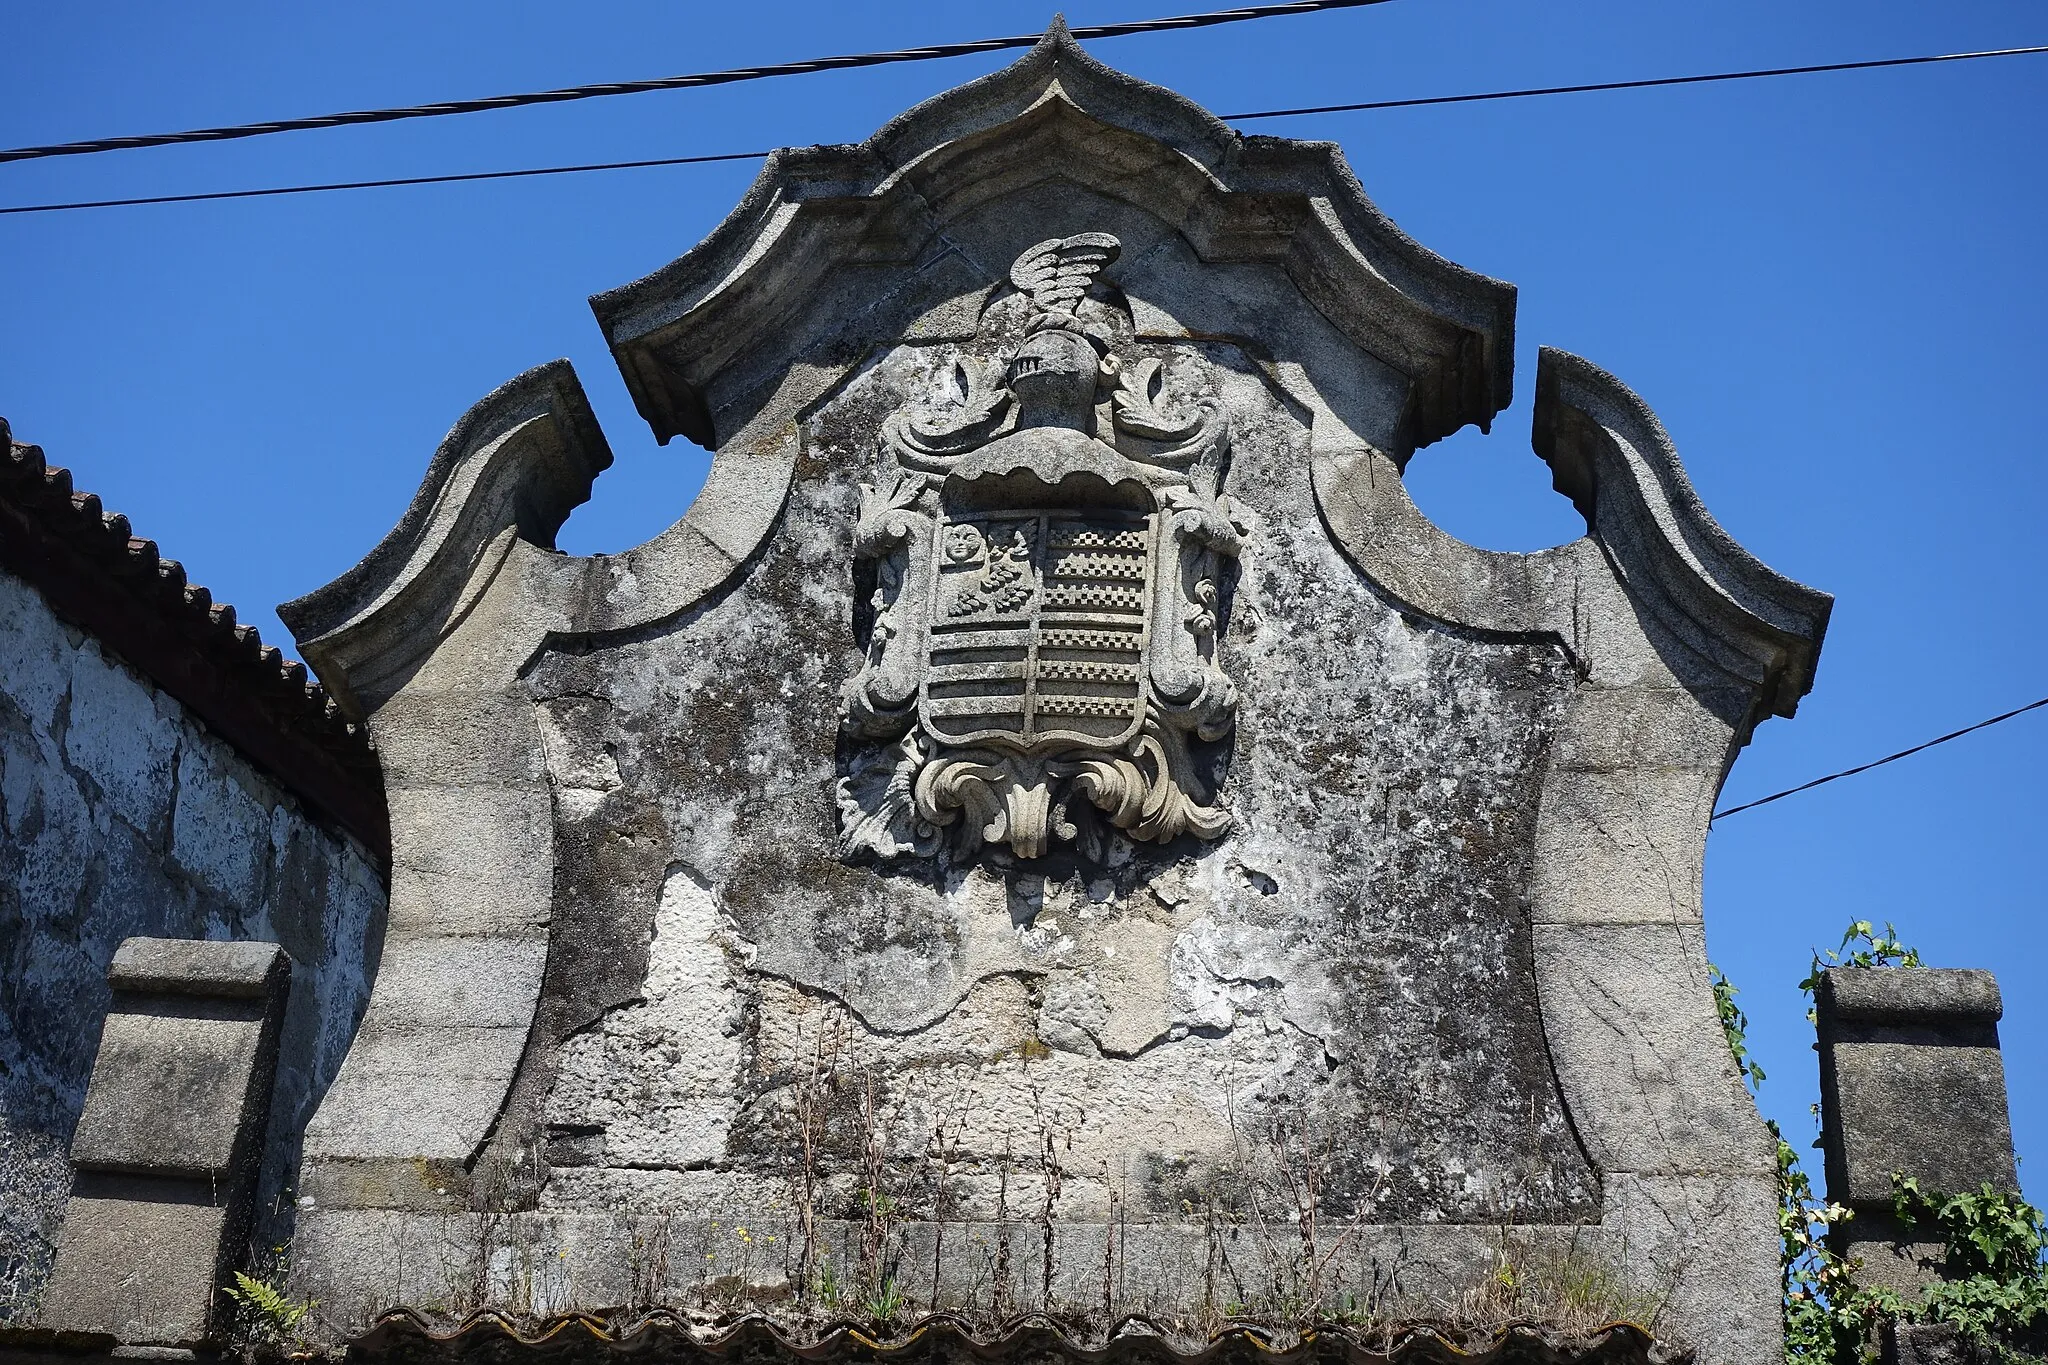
column 1048, row 654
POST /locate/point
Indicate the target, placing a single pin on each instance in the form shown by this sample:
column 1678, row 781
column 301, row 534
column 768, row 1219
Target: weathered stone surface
column 1251, row 855
column 1191, row 968
column 1912, row 1085
column 1928, row 1343
column 121, row 815
column 167, row 1094
column 169, row 1145
column 137, row 1270
column 1936, row 1114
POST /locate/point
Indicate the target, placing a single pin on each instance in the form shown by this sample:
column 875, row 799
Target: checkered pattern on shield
column 1038, row 630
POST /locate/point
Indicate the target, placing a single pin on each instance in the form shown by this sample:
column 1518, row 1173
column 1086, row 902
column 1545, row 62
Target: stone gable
column 1052, row 827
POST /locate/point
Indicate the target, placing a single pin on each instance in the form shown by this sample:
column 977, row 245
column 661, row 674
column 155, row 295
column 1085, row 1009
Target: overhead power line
column 385, row 184
column 1642, row 84
column 702, row 78
column 1645, row 84
column 1880, row 762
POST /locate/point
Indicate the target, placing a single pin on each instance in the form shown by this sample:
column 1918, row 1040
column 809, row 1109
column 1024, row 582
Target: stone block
column 430, row 1093
column 450, row 736
column 1935, row 1114
column 38, row 671
column 1913, row 1085
column 1628, row 1008
column 446, row 981
column 1951, row 998
column 220, row 832
column 1704, row 1247
column 169, row 1095
column 117, row 738
column 1911, row 1082
column 1625, row 728
column 167, row 1149
column 184, row 966
column 136, row 1269
column 1888, row 1256
column 1928, row 1343
column 470, row 860
column 1621, row 847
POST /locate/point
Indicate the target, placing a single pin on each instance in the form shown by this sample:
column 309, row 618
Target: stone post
column 167, row 1148
column 1910, row 1083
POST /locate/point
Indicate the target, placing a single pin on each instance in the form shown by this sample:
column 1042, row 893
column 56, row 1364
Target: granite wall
column 121, row 814
column 1352, row 958
column 1393, row 963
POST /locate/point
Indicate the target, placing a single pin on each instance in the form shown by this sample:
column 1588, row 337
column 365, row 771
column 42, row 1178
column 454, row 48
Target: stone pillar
column 168, row 1147
column 1929, row 1343
column 1910, row 1082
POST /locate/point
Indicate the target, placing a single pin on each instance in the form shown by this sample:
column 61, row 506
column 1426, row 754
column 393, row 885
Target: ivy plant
column 1995, row 1244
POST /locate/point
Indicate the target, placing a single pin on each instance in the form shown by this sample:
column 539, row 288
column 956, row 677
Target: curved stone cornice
column 1610, row 455
column 523, row 457
column 701, row 340
column 1647, row 531
column 1262, row 254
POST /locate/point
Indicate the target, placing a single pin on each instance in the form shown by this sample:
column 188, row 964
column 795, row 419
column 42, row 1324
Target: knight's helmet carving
column 1044, row 647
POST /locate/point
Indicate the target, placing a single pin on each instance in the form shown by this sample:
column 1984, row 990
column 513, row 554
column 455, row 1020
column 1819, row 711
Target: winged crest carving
column 1056, row 273
column 1046, row 553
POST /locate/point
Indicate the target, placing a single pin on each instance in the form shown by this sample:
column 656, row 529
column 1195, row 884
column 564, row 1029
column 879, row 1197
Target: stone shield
column 1038, row 630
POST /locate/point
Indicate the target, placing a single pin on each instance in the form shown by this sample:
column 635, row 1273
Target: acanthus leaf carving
column 1048, row 552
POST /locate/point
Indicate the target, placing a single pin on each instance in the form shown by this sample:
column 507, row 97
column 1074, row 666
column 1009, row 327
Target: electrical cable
column 1871, row 65
column 1879, row 763
column 698, row 79
column 382, row 184
column 1258, row 114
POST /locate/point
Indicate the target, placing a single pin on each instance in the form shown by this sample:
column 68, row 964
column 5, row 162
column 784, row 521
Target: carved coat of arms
column 1046, row 553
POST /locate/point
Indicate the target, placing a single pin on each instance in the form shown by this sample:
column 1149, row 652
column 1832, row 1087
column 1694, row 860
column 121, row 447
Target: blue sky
column 1830, row 287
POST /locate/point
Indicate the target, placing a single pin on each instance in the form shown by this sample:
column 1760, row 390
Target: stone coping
column 1911, row 994
column 182, row 966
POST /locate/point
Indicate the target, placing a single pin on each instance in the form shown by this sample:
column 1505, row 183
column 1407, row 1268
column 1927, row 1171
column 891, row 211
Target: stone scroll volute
column 1055, row 693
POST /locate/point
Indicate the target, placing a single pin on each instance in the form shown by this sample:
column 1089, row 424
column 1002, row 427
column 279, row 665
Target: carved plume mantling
column 877, row 807
column 1136, row 402
column 1153, row 795
column 1611, row 456
column 923, row 440
column 880, row 700
column 1047, row 553
column 1195, row 537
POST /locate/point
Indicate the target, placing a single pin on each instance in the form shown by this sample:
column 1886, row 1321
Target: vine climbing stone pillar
column 1911, row 1084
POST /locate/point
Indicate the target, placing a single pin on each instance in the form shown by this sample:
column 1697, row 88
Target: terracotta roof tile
column 95, row 572
column 402, row 1338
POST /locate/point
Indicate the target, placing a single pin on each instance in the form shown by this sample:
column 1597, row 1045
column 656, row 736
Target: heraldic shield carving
column 1046, row 553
